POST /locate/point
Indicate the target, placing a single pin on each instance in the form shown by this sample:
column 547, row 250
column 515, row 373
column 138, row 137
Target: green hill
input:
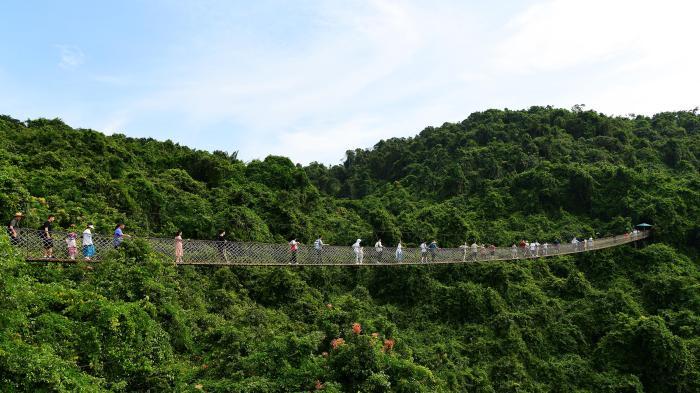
column 620, row 320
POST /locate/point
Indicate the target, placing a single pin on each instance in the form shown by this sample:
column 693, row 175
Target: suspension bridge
column 231, row 253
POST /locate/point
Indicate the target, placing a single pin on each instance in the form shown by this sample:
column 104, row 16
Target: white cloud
column 319, row 143
column 559, row 34
column 356, row 72
column 373, row 61
column 617, row 57
column 116, row 123
column 71, row 56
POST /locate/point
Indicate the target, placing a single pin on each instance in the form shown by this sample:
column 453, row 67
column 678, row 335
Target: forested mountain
column 621, row 320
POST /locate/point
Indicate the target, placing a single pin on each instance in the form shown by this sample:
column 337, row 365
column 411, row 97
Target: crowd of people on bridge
column 46, row 235
column 428, row 250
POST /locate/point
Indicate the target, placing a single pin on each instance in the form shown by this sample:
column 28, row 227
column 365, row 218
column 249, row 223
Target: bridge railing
column 32, row 246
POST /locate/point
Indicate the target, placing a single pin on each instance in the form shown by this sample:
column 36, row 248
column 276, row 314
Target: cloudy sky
column 312, row 79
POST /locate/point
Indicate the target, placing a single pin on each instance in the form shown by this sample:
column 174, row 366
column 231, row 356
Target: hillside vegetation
column 620, row 320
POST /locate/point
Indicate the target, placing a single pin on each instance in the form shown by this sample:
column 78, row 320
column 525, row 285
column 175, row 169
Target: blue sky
column 312, row 79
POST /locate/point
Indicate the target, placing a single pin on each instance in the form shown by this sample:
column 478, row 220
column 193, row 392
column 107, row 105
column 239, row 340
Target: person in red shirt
column 294, row 249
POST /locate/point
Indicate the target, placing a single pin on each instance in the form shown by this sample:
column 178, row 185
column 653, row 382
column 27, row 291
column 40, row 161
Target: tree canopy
column 619, row 320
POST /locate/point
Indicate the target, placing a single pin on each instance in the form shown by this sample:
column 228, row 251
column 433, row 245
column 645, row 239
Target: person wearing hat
column 88, row 245
column 221, row 242
column 294, row 249
column 12, row 228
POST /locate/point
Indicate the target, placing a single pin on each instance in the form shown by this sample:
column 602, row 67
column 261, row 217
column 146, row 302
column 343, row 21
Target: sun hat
column 19, row 214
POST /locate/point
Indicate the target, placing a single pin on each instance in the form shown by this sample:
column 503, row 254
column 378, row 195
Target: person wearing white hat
column 12, row 228
column 294, row 250
column 88, row 245
column 359, row 252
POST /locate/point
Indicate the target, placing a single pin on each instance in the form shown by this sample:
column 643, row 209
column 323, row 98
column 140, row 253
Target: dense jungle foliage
column 620, row 320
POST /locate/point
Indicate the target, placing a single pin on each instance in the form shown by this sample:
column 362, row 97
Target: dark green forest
column 625, row 319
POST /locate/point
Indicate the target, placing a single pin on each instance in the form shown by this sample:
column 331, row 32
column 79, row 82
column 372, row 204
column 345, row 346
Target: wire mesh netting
column 34, row 246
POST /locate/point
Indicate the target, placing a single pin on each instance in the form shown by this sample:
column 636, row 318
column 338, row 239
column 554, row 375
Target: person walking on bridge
column 318, row 249
column 513, row 251
column 179, row 252
column 45, row 236
column 465, row 249
column 433, row 247
column 533, row 249
column 423, row 252
column 119, row 235
column 71, row 242
column 379, row 250
column 574, row 244
column 294, row 250
column 359, row 252
column 220, row 241
column 88, row 245
column 475, row 251
column 12, row 228
column 399, row 252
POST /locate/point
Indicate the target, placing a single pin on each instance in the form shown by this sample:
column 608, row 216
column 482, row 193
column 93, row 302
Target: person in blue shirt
column 433, row 247
column 318, row 249
column 119, row 235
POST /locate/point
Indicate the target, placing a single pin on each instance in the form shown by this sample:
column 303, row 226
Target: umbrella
column 644, row 225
